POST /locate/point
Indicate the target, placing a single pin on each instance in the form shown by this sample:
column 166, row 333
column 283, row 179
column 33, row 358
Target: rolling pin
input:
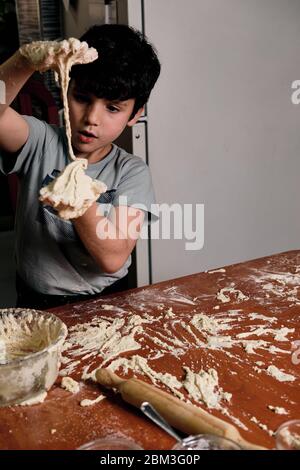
column 187, row 418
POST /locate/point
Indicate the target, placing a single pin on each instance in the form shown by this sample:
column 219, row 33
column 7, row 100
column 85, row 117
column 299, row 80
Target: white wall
column 222, row 128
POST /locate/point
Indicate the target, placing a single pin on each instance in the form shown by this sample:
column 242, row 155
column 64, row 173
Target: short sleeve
column 135, row 188
column 40, row 135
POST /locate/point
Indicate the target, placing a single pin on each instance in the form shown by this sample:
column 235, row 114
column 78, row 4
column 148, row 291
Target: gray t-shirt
column 50, row 256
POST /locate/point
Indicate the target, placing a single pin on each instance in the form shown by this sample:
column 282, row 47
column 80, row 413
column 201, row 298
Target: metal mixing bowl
column 30, row 351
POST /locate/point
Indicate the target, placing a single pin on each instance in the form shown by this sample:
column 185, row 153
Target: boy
column 65, row 261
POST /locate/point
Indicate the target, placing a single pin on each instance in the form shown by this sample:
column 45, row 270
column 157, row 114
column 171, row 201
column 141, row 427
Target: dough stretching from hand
column 72, row 192
column 60, row 56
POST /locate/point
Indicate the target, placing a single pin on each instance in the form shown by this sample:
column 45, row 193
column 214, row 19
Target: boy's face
column 97, row 122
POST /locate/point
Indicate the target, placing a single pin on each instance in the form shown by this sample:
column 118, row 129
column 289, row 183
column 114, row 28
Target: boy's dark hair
column 127, row 66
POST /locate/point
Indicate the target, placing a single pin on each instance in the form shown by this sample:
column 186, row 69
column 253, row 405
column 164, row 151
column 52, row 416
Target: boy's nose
column 93, row 115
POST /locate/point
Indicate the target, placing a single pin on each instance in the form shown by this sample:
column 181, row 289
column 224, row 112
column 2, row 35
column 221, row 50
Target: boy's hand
column 45, row 55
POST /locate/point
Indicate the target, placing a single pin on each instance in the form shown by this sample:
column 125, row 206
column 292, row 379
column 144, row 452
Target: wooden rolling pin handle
column 187, row 418
column 108, row 379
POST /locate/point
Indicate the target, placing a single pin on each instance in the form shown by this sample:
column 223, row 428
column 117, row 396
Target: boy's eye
column 112, row 108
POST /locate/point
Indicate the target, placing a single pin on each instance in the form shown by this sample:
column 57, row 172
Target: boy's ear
column 137, row 116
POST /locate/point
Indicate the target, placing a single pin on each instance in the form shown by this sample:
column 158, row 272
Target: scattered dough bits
column 273, row 371
column 278, row 410
column 88, row 402
column 72, row 192
column 204, row 387
column 230, row 293
column 222, row 270
column 105, row 340
column 70, row 385
column 262, row 426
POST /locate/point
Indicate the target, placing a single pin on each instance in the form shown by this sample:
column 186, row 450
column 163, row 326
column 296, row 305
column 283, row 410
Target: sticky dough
column 72, row 192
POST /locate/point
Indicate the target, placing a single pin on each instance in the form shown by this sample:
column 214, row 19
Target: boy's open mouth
column 87, row 134
column 86, row 137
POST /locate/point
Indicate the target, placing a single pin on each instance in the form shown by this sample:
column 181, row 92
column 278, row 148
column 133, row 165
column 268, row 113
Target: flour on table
column 204, row 387
column 177, row 297
column 282, row 278
column 273, row 371
column 169, row 313
column 251, row 345
column 262, row 426
column 160, row 307
column 157, row 355
column 283, row 285
column 257, row 316
column 70, row 385
column 165, row 378
column 108, row 338
column 100, row 338
column 274, row 350
column 279, row 335
column 278, row 410
column 208, row 323
column 120, row 344
column 166, row 346
column 197, row 340
column 87, row 402
column 225, row 294
column 222, row 270
column 233, row 418
column 140, row 365
column 221, row 342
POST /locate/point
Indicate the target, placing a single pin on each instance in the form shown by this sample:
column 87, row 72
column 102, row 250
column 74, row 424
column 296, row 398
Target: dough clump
column 72, row 192
column 46, row 55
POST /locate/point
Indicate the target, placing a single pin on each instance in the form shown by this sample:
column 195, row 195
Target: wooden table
column 272, row 287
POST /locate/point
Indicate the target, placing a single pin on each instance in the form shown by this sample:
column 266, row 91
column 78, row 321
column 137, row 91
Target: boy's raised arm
column 13, row 128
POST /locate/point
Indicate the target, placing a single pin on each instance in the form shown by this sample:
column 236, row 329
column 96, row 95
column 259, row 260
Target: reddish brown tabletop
column 271, row 289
